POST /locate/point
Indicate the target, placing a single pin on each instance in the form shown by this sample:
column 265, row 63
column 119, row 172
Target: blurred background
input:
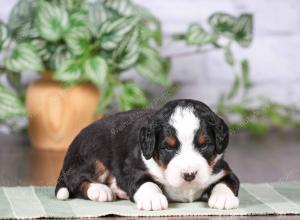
column 240, row 57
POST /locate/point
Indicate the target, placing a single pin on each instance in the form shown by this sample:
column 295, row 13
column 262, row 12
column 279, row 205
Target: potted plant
column 79, row 49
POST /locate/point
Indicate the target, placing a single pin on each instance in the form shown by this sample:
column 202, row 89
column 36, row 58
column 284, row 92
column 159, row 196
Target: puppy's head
column 181, row 142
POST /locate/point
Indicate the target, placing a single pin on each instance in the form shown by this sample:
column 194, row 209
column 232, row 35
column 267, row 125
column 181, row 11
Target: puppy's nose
column 189, row 176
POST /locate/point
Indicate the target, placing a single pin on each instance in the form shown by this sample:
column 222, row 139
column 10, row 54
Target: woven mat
column 255, row 199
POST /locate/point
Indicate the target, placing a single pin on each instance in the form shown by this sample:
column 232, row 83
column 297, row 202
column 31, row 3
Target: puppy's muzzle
column 189, row 176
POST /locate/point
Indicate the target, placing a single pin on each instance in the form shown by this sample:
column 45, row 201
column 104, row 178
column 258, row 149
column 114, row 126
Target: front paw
column 153, row 203
column 149, row 197
column 222, row 198
column 99, row 192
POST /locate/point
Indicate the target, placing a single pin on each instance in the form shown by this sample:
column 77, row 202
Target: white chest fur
column 183, row 194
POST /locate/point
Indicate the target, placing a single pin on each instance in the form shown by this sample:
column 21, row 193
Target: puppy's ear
column 221, row 134
column 147, row 140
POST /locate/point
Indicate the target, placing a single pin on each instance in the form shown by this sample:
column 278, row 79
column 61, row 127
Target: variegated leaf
column 96, row 70
column 97, row 15
column 69, row 72
column 10, row 105
column 4, row 36
column 78, row 19
column 128, row 52
column 77, row 40
column 222, row 23
column 113, row 32
column 24, row 58
column 21, row 20
column 60, row 54
column 151, row 27
column 70, row 5
column 243, row 30
column 123, row 8
column 78, row 36
column 52, row 21
column 107, row 94
column 131, row 96
column 41, row 48
column 153, row 67
column 196, row 35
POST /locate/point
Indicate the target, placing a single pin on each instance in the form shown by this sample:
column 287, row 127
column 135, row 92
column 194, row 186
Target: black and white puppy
column 152, row 157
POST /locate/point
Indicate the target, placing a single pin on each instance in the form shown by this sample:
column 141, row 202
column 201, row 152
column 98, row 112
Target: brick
column 273, row 59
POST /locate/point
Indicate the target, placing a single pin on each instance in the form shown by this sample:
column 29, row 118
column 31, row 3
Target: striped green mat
column 255, row 199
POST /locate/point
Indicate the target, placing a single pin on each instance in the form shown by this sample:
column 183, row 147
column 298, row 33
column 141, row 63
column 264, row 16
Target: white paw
column 99, row 192
column 149, row 197
column 154, row 203
column 222, row 198
column 63, row 194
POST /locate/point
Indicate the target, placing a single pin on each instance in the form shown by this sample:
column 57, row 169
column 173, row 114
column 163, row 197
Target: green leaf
column 196, row 35
column 245, row 74
column 123, row 8
column 58, row 57
column 229, row 56
column 96, row 70
column 70, row 5
column 4, row 36
column 243, row 30
column 107, row 94
column 69, row 72
column 150, row 25
column 97, row 15
column 24, row 58
column 14, row 80
column 113, row 32
column 78, row 36
column 52, row 21
column 153, row 67
column 235, row 88
column 41, row 48
column 21, row 20
column 128, row 51
column 78, row 40
column 222, row 23
column 131, row 96
column 11, row 105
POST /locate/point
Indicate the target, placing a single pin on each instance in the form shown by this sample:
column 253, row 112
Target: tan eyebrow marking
column 171, row 141
column 202, row 138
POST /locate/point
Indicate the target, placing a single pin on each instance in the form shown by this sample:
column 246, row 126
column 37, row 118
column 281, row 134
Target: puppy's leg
column 224, row 193
column 150, row 197
column 97, row 192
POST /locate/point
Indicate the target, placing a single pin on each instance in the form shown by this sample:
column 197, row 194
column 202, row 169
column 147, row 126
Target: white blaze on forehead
column 185, row 123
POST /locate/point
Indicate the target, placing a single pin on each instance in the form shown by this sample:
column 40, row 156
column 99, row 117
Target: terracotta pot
column 58, row 113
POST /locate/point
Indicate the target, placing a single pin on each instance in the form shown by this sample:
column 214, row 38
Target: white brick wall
column 274, row 55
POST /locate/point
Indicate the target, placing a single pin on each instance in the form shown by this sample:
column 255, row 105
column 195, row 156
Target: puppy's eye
column 202, row 139
column 170, row 142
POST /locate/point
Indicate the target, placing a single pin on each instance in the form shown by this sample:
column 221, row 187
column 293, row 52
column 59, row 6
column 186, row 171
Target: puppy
column 152, row 157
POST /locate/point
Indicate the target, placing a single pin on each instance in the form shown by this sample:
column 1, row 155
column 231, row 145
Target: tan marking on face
column 202, row 138
column 84, row 188
column 171, row 141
